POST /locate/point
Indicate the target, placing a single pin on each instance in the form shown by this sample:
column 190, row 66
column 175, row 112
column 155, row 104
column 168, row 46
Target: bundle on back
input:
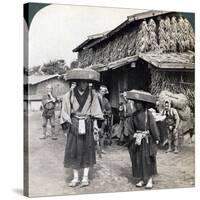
column 181, row 104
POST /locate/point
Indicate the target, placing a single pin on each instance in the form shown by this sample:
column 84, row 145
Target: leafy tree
column 54, row 67
column 34, row 70
column 50, row 68
column 74, row 64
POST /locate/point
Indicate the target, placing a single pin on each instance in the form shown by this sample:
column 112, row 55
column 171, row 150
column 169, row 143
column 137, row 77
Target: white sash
column 81, row 127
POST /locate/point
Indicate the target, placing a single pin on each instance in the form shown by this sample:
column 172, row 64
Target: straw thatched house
column 150, row 51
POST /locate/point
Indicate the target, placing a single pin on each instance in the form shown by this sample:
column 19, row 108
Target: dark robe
column 143, row 157
column 80, row 149
column 105, row 124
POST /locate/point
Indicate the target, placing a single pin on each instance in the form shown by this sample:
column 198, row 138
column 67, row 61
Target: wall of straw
column 175, row 82
column 169, row 34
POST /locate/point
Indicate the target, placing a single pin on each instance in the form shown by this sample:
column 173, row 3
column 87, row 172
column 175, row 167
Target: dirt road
column 112, row 173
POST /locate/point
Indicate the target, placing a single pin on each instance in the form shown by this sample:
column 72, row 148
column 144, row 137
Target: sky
column 57, row 29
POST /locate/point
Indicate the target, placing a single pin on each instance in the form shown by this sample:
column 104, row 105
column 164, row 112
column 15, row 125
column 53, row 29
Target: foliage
column 74, row 64
column 50, row 68
column 54, row 67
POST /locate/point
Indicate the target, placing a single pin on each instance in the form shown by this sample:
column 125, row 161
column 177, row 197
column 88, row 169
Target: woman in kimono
column 80, row 110
column 143, row 139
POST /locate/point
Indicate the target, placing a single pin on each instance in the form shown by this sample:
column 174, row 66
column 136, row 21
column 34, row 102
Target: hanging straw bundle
column 124, row 46
column 162, row 36
column 168, row 33
column 190, row 34
column 131, row 43
column 107, row 53
column 186, row 35
column 173, row 35
column 142, row 40
column 153, row 40
column 180, row 35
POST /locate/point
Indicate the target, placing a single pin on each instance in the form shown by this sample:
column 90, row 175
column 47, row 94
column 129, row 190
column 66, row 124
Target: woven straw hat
column 82, row 74
column 139, row 95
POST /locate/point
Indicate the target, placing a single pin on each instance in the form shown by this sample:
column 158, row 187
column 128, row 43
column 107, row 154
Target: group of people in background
column 85, row 110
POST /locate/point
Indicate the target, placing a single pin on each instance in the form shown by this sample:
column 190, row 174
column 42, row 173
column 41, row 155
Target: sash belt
column 140, row 135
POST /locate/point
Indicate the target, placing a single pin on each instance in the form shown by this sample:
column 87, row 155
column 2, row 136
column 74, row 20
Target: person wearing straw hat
column 80, row 111
column 143, row 139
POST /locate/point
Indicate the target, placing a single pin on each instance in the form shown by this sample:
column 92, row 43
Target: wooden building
column 150, row 51
column 36, row 88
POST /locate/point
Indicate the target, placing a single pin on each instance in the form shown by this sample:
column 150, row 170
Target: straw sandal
column 43, row 137
column 149, row 184
column 84, row 182
column 74, row 183
column 140, row 184
column 54, row 138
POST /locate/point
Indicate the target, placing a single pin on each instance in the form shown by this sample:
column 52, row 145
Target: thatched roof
column 170, row 61
column 115, row 64
column 90, row 39
column 167, row 61
column 35, row 79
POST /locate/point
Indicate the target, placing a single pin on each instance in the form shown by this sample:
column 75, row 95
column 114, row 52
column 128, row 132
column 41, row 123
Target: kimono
column 142, row 150
column 105, row 125
column 127, row 110
column 105, row 105
column 80, row 145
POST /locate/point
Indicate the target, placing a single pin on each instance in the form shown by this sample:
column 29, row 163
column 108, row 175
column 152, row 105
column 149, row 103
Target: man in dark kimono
column 80, row 110
column 48, row 114
column 104, row 124
column 143, row 139
column 126, row 109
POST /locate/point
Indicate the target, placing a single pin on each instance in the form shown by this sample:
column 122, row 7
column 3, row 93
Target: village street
column 112, row 173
